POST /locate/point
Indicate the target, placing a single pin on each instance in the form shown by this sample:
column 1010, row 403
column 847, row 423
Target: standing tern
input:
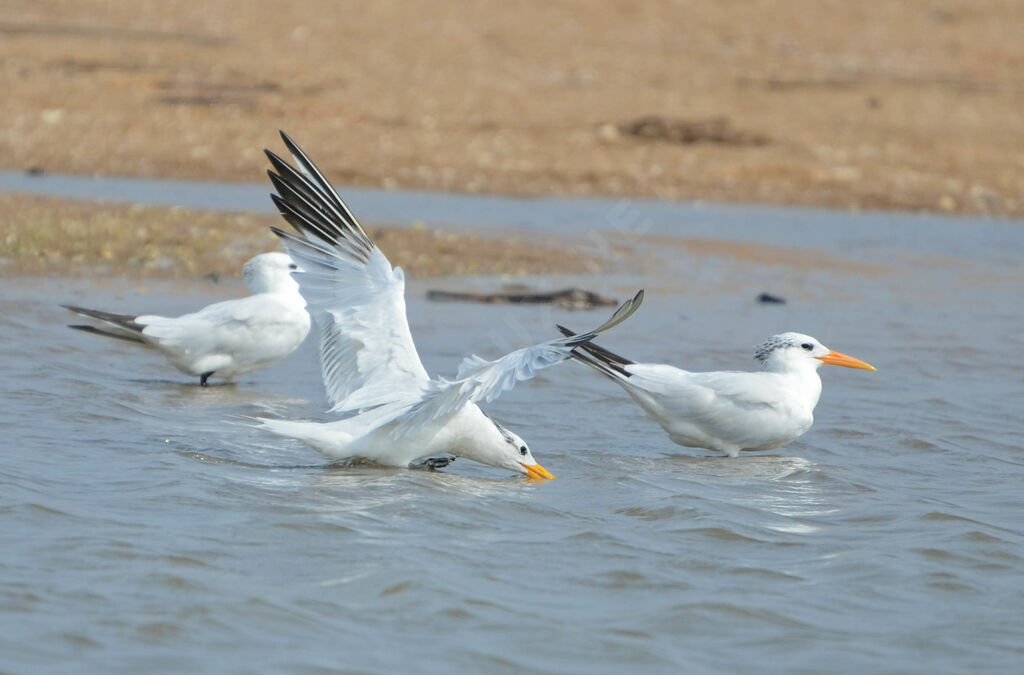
column 226, row 338
column 394, row 413
column 728, row 411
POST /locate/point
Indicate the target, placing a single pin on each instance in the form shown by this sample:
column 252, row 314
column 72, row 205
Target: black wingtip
column 292, row 146
column 312, row 206
column 280, row 166
column 281, row 204
column 282, row 187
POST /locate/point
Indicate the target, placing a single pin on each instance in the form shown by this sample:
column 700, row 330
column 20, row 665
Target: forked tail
column 120, row 326
column 599, row 358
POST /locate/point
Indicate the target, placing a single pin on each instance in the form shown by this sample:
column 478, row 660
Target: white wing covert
column 710, row 398
column 353, row 294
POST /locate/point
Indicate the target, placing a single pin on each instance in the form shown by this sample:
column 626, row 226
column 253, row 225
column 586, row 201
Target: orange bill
column 837, row 359
column 537, row 471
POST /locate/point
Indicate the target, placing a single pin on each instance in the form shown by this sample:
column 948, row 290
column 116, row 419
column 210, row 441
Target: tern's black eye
column 807, row 345
column 293, row 266
column 523, row 450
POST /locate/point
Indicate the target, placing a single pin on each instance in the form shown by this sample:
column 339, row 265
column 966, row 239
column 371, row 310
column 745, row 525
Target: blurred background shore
column 912, row 105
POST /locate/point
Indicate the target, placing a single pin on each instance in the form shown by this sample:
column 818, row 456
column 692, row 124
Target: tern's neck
column 802, row 381
column 478, row 438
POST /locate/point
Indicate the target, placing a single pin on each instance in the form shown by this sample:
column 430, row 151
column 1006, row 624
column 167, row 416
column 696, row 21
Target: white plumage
column 728, row 411
column 225, row 339
column 393, row 411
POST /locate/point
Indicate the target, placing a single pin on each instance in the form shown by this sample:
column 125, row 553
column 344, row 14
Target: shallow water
column 601, row 221
column 147, row 528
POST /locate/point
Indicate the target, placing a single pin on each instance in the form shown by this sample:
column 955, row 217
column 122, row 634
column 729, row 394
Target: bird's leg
column 433, row 463
column 204, row 377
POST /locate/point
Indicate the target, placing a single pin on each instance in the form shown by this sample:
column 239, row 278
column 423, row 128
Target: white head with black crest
column 507, row 450
column 788, row 352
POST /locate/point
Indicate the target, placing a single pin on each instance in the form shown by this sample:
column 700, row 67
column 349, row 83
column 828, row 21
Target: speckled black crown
column 765, row 349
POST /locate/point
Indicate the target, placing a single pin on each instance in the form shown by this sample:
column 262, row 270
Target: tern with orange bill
column 728, row 411
column 392, row 412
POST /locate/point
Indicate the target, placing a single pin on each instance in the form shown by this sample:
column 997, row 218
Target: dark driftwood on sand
column 569, row 298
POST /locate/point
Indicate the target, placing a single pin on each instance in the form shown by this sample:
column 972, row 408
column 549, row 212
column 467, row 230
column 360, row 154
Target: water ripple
column 142, row 514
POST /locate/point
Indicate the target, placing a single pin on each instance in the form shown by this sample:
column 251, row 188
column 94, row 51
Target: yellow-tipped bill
column 837, row 359
column 537, row 471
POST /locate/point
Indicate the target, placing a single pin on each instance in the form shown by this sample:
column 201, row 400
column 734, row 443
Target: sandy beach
column 912, row 105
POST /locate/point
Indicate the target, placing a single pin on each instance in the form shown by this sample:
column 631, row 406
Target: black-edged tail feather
column 598, row 357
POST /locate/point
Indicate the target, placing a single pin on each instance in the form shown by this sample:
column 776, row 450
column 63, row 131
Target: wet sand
column 912, row 105
column 44, row 236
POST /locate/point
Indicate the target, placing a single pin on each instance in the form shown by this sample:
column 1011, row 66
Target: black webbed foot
column 204, row 377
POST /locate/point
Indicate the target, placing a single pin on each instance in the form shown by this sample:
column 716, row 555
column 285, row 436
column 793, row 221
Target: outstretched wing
column 353, row 294
column 480, row 380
